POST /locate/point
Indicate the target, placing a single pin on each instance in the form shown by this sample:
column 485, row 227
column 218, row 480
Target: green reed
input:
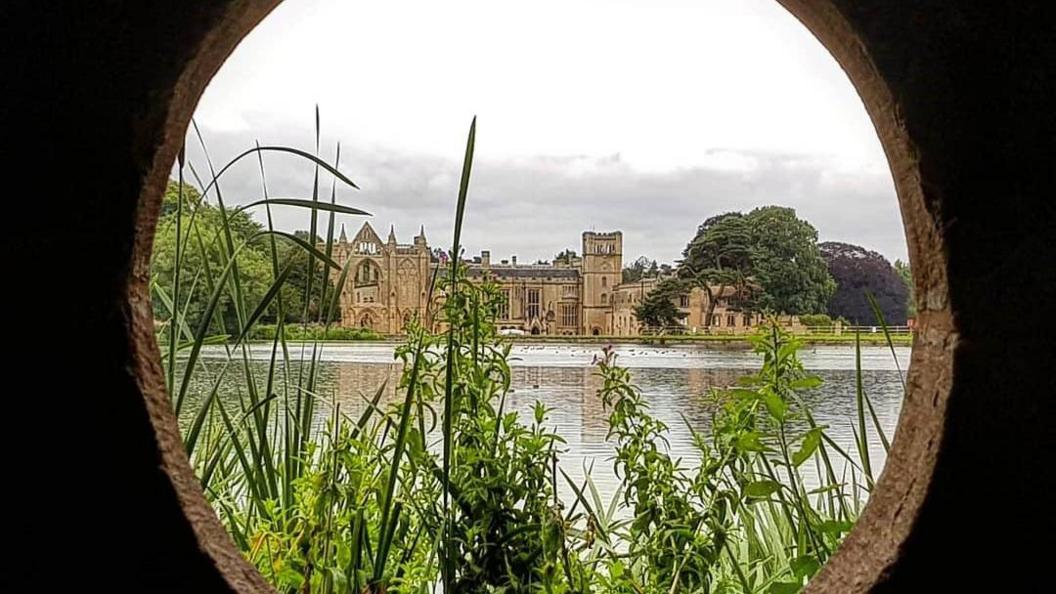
column 444, row 488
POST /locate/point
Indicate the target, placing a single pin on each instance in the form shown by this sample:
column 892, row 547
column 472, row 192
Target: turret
column 392, row 235
column 601, row 271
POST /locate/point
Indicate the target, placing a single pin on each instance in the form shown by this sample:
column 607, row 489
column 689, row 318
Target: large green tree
column 769, row 257
column 719, row 258
column 786, row 262
column 204, row 257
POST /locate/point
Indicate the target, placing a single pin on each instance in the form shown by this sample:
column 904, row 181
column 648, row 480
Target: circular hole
column 889, row 133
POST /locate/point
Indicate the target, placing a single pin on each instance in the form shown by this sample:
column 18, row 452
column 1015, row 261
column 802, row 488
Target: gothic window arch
column 407, row 268
column 407, row 286
column 367, row 273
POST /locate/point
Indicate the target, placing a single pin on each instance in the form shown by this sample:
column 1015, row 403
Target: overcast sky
column 647, row 117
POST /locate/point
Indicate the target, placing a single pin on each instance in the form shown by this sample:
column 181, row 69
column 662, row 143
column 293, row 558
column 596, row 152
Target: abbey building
column 389, row 285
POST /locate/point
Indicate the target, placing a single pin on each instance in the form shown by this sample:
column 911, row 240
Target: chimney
column 514, row 260
column 485, row 258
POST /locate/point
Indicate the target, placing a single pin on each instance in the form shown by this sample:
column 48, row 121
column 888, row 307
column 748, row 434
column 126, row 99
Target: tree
column 641, row 268
column 718, row 257
column 859, row 271
column 204, row 256
column 769, row 256
column 296, row 286
column 565, row 257
column 907, row 277
column 786, row 262
column 658, row 309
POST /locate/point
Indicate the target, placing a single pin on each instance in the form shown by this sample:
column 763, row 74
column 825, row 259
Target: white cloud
column 645, row 116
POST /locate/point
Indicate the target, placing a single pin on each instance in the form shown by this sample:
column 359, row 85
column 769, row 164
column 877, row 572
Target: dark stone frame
column 960, row 94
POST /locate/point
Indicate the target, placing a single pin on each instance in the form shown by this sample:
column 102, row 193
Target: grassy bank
column 732, row 340
column 445, row 489
column 314, row 332
column 739, row 341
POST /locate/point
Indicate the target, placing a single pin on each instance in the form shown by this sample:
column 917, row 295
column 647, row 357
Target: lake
column 674, row 379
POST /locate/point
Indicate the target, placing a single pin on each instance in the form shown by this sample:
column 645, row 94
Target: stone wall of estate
column 388, row 285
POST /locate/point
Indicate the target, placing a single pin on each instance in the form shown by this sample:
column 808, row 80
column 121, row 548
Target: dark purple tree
column 857, row 271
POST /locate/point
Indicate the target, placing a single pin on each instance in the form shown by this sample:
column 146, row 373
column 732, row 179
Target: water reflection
column 674, row 380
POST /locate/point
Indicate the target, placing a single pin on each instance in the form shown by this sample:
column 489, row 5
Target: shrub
column 742, row 520
column 311, row 332
column 816, row 320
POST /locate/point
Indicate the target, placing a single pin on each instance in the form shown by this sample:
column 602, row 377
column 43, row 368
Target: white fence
column 794, row 328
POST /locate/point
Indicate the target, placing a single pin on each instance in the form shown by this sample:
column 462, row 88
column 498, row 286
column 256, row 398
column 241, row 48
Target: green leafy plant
column 444, row 487
column 680, row 521
column 743, row 519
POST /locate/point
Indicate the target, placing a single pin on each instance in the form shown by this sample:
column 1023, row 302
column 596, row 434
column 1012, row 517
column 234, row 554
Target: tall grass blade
column 860, row 402
column 887, row 335
column 311, row 249
column 463, row 189
column 265, row 301
column 199, row 336
column 303, row 203
column 329, row 234
column 279, row 149
column 175, row 321
column 387, row 506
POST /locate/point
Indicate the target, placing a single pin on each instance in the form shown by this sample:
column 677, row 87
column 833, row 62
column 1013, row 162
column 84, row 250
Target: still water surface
column 674, row 380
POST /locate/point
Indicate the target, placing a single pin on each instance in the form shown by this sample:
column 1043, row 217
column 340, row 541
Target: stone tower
column 602, row 271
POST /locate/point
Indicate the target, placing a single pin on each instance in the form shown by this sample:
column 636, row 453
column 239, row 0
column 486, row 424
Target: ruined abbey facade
column 388, row 282
column 388, row 285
